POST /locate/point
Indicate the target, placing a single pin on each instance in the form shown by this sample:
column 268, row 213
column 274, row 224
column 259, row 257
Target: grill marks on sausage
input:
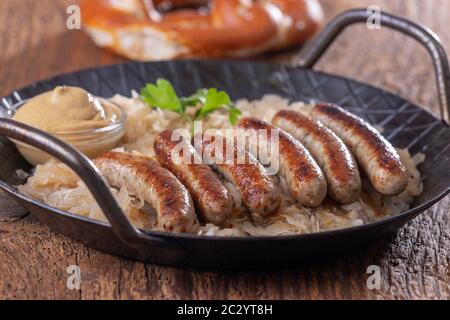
column 326, row 136
column 211, row 197
column 257, row 190
column 143, row 177
column 375, row 154
column 330, row 152
column 386, row 155
column 304, row 178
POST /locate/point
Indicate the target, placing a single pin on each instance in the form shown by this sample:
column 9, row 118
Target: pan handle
column 88, row 172
column 317, row 47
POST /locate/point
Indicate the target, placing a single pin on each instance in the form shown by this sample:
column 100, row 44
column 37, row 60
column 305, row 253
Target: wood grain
column 415, row 264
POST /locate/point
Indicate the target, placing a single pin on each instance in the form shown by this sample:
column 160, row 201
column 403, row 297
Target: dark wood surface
column 415, row 263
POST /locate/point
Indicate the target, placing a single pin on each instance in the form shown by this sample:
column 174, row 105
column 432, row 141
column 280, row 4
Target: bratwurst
column 144, row 178
column 374, row 153
column 330, row 152
column 257, row 190
column 303, row 176
column 211, row 197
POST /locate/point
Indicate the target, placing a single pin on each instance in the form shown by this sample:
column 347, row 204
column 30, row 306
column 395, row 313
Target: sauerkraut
column 56, row 185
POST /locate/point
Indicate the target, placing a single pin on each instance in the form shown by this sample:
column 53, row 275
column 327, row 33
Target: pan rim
column 279, row 65
column 412, row 212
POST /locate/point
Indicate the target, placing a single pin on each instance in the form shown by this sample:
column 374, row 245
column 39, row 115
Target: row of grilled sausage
column 318, row 155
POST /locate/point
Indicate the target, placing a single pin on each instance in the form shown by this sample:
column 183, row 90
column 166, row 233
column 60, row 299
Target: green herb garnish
column 162, row 95
column 196, row 98
column 233, row 114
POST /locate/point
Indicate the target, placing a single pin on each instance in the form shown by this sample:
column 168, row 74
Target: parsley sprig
column 162, row 95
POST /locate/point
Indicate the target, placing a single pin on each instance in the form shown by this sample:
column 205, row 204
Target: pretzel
column 147, row 30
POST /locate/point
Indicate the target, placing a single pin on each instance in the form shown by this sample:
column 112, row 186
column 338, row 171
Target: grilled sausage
column 303, row 176
column 143, row 177
column 257, row 190
column 374, row 153
column 330, row 152
column 211, row 197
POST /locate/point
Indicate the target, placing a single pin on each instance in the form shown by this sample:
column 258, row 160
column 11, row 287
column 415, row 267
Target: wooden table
column 35, row 44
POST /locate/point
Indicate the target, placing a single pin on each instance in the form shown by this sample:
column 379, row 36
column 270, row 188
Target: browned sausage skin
column 303, row 176
column 143, row 177
column 211, row 197
column 330, row 152
column 374, row 153
column 257, row 190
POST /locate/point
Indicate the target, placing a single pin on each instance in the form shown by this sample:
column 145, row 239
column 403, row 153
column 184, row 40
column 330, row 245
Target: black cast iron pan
column 405, row 125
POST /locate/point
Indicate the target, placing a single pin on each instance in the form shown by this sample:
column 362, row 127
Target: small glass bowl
column 91, row 142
